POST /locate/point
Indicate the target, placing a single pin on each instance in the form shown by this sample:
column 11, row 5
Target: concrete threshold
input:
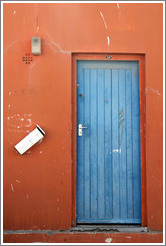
column 109, row 228
column 85, row 229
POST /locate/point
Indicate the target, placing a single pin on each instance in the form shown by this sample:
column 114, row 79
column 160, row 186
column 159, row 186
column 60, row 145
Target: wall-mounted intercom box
column 36, row 46
column 32, row 138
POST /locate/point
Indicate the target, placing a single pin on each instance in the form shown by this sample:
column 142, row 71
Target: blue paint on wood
column 100, row 141
column 93, row 138
column 87, row 144
column 108, row 152
column 122, row 143
column 115, row 144
column 108, row 143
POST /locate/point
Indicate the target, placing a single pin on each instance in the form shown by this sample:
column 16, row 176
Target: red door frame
column 114, row 57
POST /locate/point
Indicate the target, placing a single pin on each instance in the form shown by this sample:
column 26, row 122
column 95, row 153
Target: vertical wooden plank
column 80, row 145
column 108, row 144
column 136, row 141
column 100, row 134
column 122, row 144
column 129, row 143
column 93, row 132
column 87, row 144
column 115, row 144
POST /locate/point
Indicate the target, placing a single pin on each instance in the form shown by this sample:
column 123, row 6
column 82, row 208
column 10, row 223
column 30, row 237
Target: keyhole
column 80, row 95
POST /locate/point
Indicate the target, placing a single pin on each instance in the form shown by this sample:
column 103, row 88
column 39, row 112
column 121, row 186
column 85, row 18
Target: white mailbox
column 32, row 138
column 36, row 46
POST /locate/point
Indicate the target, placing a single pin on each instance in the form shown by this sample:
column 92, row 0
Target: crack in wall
column 37, row 20
column 57, row 45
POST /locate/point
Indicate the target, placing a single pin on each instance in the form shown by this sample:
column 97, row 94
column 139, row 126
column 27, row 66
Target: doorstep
column 85, row 234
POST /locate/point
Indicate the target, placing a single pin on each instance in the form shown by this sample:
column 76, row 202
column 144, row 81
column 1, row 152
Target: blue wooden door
column 108, row 152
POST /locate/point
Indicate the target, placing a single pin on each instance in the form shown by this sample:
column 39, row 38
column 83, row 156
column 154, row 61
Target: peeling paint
column 12, row 125
column 18, row 181
column 108, row 40
column 27, row 114
column 119, row 11
column 103, row 19
column 14, row 130
column 154, row 91
column 37, row 20
column 108, row 240
column 18, row 122
column 14, row 12
column 30, row 123
column 19, row 116
column 116, row 150
column 12, row 188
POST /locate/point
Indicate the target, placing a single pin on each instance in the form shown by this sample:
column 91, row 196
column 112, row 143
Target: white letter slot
column 32, row 138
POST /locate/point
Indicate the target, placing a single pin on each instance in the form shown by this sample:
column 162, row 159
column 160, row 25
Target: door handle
column 80, row 127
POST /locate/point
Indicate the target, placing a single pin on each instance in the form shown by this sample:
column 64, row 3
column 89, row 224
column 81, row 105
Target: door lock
column 80, row 127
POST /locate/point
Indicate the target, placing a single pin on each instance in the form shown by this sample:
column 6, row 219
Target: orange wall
column 38, row 185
